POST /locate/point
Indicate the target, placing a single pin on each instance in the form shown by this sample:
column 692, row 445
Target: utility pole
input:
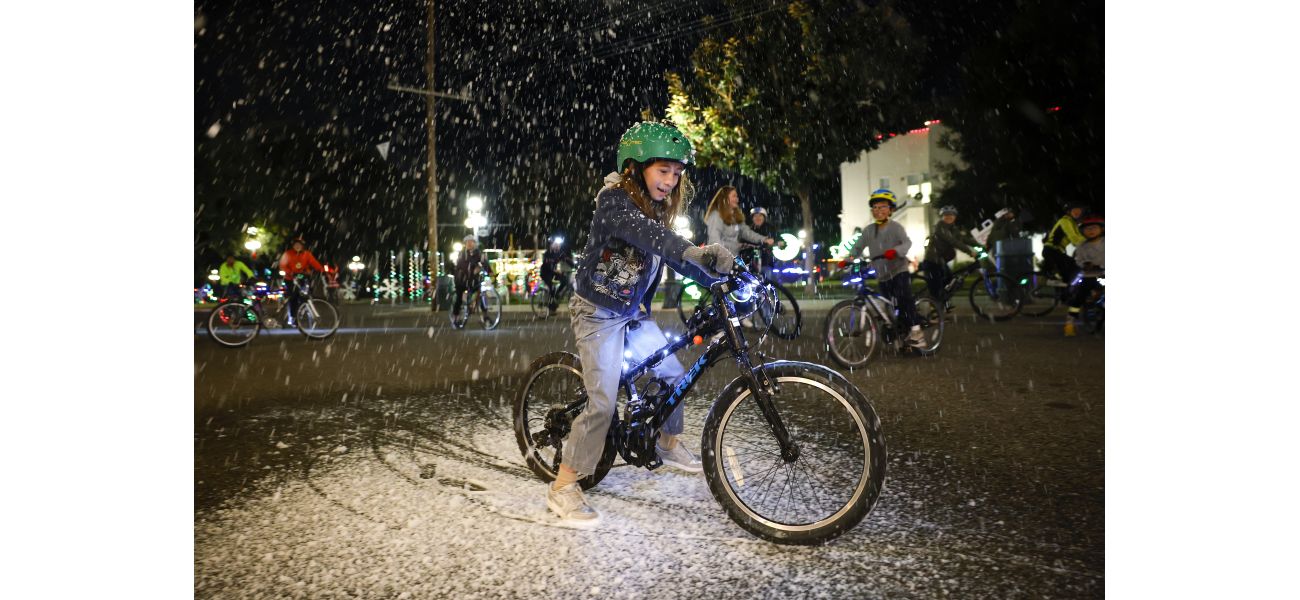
column 434, row 262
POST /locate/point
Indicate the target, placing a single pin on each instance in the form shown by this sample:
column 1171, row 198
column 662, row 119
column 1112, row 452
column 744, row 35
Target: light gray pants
column 600, row 337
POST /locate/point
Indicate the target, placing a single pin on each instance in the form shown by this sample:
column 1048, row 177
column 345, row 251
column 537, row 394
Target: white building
column 907, row 164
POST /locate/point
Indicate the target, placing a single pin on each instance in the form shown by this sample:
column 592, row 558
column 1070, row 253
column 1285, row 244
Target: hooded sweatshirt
column 879, row 238
column 621, row 263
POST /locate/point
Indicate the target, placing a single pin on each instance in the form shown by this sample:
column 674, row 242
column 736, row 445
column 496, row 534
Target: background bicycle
column 541, row 297
column 240, row 316
column 485, row 301
column 778, row 312
column 993, row 295
column 856, row 328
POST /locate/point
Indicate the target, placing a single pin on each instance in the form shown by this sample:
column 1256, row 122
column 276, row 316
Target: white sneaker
column 680, row 458
column 569, row 504
column 916, row 339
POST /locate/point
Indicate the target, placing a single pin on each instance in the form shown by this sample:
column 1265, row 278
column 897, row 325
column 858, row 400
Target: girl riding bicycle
column 630, row 241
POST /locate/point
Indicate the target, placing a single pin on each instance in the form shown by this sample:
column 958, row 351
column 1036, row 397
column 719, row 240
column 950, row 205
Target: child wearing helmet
column 1090, row 257
column 945, row 240
column 763, row 227
column 888, row 244
column 630, row 241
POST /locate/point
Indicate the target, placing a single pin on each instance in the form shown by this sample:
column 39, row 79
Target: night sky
column 291, row 101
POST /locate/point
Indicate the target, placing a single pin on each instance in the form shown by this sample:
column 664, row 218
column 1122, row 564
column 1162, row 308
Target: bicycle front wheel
column 929, row 315
column 834, row 480
column 489, row 304
column 1043, row 296
column 995, row 297
column 233, row 325
column 542, row 420
column 541, row 303
column 851, row 334
column 317, row 319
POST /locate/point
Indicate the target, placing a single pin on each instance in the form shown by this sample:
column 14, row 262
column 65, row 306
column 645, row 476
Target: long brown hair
column 634, row 184
column 730, row 216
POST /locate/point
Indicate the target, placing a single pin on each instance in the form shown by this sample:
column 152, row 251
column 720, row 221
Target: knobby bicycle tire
column 828, row 418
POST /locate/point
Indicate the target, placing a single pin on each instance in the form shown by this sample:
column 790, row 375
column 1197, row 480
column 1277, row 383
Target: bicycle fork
column 761, row 392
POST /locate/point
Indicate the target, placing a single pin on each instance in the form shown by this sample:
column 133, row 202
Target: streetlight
column 356, row 265
column 682, row 227
column 474, row 204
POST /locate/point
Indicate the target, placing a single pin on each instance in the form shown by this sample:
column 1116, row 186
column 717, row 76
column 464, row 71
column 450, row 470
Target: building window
column 884, row 182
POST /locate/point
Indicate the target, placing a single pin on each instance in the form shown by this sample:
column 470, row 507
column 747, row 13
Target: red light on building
column 1054, row 109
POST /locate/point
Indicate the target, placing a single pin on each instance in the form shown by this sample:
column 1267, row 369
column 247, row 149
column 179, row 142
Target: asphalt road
column 382, row 462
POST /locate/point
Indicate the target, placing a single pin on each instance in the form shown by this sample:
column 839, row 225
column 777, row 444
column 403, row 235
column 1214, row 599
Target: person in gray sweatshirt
column 887, row 243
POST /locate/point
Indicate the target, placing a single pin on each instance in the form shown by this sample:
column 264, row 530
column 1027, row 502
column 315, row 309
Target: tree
column 806, row 87
column 1029, row 122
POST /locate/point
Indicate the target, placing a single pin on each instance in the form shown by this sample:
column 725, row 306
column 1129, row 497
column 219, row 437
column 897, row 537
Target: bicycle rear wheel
column 852, row 334
column 317, row 319
column 541, row 303
column 1042, row 297
column 233, row 325
column 833, row 482
column 995, row 297
column 782, row 318
column 541, row 422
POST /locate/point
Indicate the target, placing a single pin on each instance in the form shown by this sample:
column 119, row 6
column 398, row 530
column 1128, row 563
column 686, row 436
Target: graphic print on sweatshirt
column 619, row 271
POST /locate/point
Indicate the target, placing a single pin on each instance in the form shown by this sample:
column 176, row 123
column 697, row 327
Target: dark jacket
column 551, row 260
column 469, row 265
column 767, row 231
column 620, row 266
column 946, row 240
column 1003, row 229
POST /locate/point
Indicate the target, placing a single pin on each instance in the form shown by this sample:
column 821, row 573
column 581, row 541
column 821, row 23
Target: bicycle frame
column 705, row 324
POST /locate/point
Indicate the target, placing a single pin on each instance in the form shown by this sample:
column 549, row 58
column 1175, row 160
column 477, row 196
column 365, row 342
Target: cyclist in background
column 1064, row 233
column 726, row 222
column 554, row 256
column 887, row 239
column 232, row 273
column 1090, row 256
column 469, row 265
column 764, row 228
column 295, row 261
column 945, row 241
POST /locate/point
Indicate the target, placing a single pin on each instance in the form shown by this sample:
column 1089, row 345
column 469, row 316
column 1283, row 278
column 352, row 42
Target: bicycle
column 994, row 295
column 854, row 327
column 236, row 321
column 484, row 300
column 792, row 451
column 778, row 311
column 541, row 295
column 1046, row 291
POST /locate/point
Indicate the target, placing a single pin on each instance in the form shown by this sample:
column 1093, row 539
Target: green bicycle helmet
column 648, row 140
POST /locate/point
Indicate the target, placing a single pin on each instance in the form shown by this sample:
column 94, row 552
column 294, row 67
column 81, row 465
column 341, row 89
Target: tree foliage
column 787, row 97
column 1028, row 121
